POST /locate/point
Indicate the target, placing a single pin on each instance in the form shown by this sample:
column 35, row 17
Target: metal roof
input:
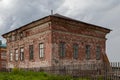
column 59, row 16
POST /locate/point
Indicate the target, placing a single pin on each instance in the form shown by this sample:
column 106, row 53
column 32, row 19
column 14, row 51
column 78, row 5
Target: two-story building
column 55, row 40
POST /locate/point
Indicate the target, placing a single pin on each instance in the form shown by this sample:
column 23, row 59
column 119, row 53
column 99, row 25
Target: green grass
column 30, row 75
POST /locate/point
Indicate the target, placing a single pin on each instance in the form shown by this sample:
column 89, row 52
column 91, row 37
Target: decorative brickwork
column 51, row 31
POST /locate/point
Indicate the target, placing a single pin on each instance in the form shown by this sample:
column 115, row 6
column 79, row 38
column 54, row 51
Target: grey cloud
column 100, row 12
column 92, row 8
column 21, row 12
column 33, row 10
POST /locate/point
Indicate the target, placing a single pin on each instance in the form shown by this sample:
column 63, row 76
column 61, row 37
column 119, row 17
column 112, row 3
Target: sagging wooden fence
column 102, row 71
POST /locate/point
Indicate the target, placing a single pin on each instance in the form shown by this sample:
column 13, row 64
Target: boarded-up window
column 62, row 49
column 75, row 51
column 20, row 35
column 41, row 50
column 31, row 53
column 87, row 51
column 3, row 64
column 3, row 55
column 15, row 36
column 10, row 38
column 22, row 54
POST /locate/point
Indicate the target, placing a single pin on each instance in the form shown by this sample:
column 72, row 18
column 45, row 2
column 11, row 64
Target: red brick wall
column 70, row 34
column 33, row 36
column 51, row 34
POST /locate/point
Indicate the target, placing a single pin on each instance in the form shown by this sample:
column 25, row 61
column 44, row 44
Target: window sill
column 42, row 58
column 32, row 60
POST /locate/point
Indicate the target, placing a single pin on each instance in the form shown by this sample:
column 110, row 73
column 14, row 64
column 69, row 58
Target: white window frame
column 21, row 53
column 41, row 50
column 11, row 56
column 16, row 55
column 31, row 52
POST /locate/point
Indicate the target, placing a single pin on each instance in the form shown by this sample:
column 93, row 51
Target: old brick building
column 55, row 40
column 2, row 55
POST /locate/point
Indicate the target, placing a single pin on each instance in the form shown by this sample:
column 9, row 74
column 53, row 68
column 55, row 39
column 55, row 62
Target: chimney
column 51, row 12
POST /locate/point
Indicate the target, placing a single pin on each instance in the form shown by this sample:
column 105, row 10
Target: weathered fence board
column 90, row 71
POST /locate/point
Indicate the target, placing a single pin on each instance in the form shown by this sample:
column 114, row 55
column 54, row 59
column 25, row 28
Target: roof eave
column 67, row 18
column 24, row 26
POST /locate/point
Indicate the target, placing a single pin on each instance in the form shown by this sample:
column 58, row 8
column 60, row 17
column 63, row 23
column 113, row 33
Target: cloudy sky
column 106, row 13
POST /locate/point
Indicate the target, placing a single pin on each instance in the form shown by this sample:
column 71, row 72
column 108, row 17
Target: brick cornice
column 76, row 23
